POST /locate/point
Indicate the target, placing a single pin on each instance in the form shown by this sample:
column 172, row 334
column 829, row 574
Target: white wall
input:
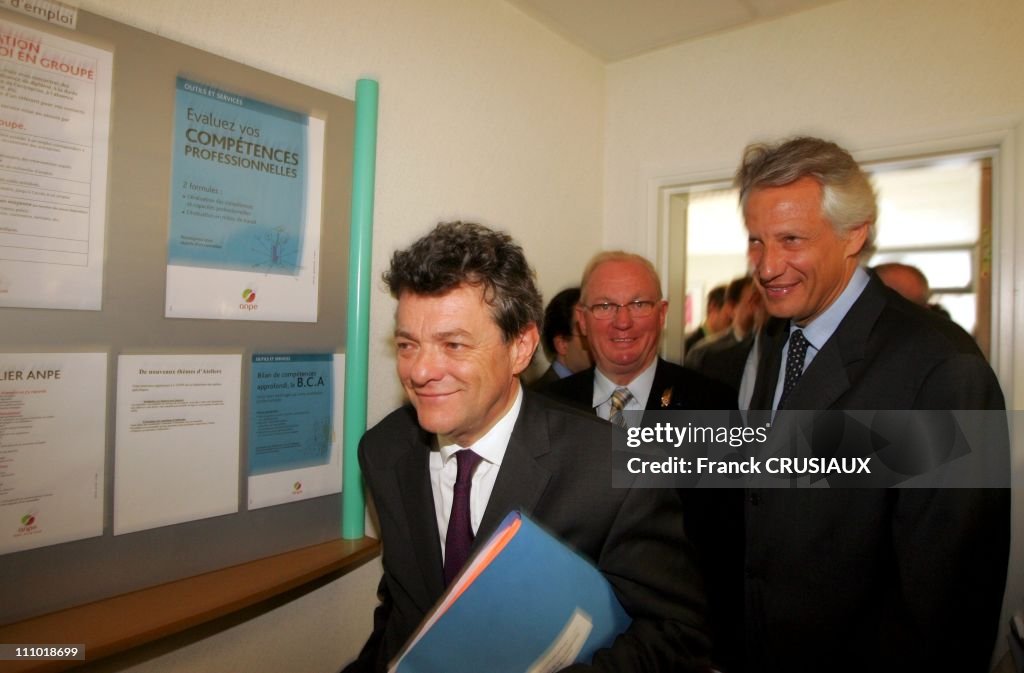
column 880, row 77
column 868, row 73
column 484, row 115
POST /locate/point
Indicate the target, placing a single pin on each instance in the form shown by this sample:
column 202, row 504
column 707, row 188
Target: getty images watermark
column 813, row 449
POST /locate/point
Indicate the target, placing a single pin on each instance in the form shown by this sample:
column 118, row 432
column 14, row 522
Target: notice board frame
column 131, row 321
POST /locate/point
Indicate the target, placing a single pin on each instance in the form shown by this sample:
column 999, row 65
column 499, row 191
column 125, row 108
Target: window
column 934, row 213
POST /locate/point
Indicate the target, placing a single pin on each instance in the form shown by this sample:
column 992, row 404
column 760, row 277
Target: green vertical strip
column 364, row 165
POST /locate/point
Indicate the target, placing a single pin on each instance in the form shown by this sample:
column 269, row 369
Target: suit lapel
column 413, row 473
column 661, row 389
column 823, row 382
column 830, row 374
column 772, row 339
column 584, row 392
column 522, row 479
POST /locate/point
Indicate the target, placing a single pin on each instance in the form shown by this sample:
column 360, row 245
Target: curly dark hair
column 464, row 253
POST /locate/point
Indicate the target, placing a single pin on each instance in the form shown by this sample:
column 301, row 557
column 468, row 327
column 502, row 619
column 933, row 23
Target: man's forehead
column 803, row 194
column 621, row 276
column 461, row 309
column 460, row 288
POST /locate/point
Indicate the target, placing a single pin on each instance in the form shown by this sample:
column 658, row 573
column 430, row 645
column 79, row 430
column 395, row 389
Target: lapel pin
column 666, row 397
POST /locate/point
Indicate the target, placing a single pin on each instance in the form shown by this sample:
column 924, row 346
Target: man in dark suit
column 724, row 359
column 858, row 579
column 716, row 319
column 622, row 314
column 563, row 343
column 466, row 328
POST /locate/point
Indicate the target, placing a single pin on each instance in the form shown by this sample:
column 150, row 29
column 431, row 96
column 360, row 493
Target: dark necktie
column 460, row 528
column 794, row 363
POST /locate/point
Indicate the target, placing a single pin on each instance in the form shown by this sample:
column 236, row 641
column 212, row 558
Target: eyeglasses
column 607, row 310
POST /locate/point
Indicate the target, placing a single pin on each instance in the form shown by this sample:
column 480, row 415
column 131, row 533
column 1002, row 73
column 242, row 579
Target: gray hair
column 847, row 198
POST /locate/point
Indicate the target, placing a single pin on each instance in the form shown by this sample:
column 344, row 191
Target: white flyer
column 53, row 410
column 176, row 450
column 54, row 134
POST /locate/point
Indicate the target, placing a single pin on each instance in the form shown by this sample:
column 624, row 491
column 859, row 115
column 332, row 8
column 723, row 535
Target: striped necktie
column 620, row 398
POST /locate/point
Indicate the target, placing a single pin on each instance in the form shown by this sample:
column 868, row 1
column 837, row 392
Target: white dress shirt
column 444, row 468
column 640, row 387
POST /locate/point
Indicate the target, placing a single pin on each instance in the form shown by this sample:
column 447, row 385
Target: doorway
column 935, row 213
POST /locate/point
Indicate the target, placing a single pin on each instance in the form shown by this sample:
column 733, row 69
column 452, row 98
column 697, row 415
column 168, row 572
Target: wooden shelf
column 116, row 624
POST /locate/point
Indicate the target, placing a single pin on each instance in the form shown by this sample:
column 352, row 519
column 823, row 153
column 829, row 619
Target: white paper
column 52, row 447
column 54, row 130
column 176, row 452
column 277, row 488
column 567, row 645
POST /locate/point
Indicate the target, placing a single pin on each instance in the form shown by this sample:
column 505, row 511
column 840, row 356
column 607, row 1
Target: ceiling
column 616, row 29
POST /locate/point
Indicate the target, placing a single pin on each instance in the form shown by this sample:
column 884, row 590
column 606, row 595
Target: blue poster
column 238, row 186
column 290, row 412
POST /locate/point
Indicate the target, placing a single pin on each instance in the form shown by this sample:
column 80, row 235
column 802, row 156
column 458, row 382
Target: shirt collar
column 821, row 329
column 561, row 369
column 491, row 447
column 640, row 386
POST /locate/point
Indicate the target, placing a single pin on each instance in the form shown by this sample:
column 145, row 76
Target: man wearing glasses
column 622, row 314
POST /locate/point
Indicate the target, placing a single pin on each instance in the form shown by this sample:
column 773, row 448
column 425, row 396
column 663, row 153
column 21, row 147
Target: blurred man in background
column 716, row 318
column 564, row 345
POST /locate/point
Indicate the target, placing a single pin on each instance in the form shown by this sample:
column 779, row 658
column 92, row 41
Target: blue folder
column 536, row 606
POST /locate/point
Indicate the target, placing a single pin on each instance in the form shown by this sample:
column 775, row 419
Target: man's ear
column 523, row 346
column 856, row 238
column 561, row 344
column 581, row 320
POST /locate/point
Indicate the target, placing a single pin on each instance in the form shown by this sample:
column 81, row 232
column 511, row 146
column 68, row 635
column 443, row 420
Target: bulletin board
column 132, row 320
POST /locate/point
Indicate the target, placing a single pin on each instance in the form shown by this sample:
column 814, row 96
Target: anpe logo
column 249, row 295
column 29, row 525
column 297, row 487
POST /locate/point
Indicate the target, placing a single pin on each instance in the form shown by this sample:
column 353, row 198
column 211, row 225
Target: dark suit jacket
column 723, row 359
column 872, row 579
column 557, row 469
column 674, row 388
column 713, row 517
column 544, row 380
column 693, row 338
